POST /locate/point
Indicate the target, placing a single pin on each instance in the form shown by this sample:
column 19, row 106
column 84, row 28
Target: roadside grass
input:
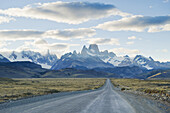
column 12, row 89
column 159, row 89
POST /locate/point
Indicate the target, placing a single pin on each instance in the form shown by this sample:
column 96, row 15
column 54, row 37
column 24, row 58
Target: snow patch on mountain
column 46, row 66
column 113, row 60
column 46, row 61
column 148, row 67
column 3, row 59
column 82, row 60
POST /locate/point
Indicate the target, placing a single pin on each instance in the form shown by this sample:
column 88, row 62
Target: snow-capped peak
column 84, row 51
column 3, row 59
column 46, row 61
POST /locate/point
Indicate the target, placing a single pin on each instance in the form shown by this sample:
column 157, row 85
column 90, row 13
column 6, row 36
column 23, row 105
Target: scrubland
column 159, row 89
column 12, row 89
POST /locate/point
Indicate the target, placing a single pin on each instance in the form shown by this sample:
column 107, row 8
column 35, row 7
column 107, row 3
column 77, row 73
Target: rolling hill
column 156, row 74
column 28, row 69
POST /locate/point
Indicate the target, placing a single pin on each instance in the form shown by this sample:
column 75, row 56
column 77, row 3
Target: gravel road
column 102, row 100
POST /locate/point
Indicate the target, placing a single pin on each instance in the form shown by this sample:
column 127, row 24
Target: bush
column 122, row 89
column 52, row 91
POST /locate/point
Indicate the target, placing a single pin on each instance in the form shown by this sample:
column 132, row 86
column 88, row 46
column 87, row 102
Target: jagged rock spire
column 94, row 48
column 74, row 52
column 84, row 51
column 48, row 52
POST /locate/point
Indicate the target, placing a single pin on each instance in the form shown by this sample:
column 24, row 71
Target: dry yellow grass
column 152, row 87
column 21, row 88
column 155, row 75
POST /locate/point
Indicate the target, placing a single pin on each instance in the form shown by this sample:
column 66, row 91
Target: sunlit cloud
column 130, row 43
column 6, row 19
column 55, row 34
column 165, row 50
column 125, row 51
column 138, row 23
column 132, row 37
column 70, row 33
column 165, row 1
column 65, row 12
column 41, row 46
column 103, row 41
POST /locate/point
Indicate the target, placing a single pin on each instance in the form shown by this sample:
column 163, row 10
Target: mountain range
column 46, row 61
column 92, row 57
column 90, row 62
column 88, row 58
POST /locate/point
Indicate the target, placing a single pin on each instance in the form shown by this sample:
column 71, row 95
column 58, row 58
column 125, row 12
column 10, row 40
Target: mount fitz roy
column 88, row 58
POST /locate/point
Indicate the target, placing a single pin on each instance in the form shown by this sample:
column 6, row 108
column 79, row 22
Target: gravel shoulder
column 144, row 103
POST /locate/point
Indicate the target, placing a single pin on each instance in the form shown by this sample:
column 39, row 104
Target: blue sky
column 122, row 26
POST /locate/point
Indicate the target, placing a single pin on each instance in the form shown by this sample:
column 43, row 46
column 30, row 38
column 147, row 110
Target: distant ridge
column 28, row 69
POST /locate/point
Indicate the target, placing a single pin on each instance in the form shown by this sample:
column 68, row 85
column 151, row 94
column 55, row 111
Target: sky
column 125, row 27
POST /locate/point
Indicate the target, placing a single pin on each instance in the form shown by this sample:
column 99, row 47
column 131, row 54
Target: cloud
column 150, row 6
column 5, row 19
column 3, row 43
column 165, row 27
column 58, row 46
column 103, row 41
column 55, row 34
column 138, row 23
column 165, row 1
column 40, row 41
column 66, row 12
column 132, row 38
column 130, row 43
column 124, row 51
column 164, row 50
column 19, row 34
column 70, row 33
column 41, row 45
